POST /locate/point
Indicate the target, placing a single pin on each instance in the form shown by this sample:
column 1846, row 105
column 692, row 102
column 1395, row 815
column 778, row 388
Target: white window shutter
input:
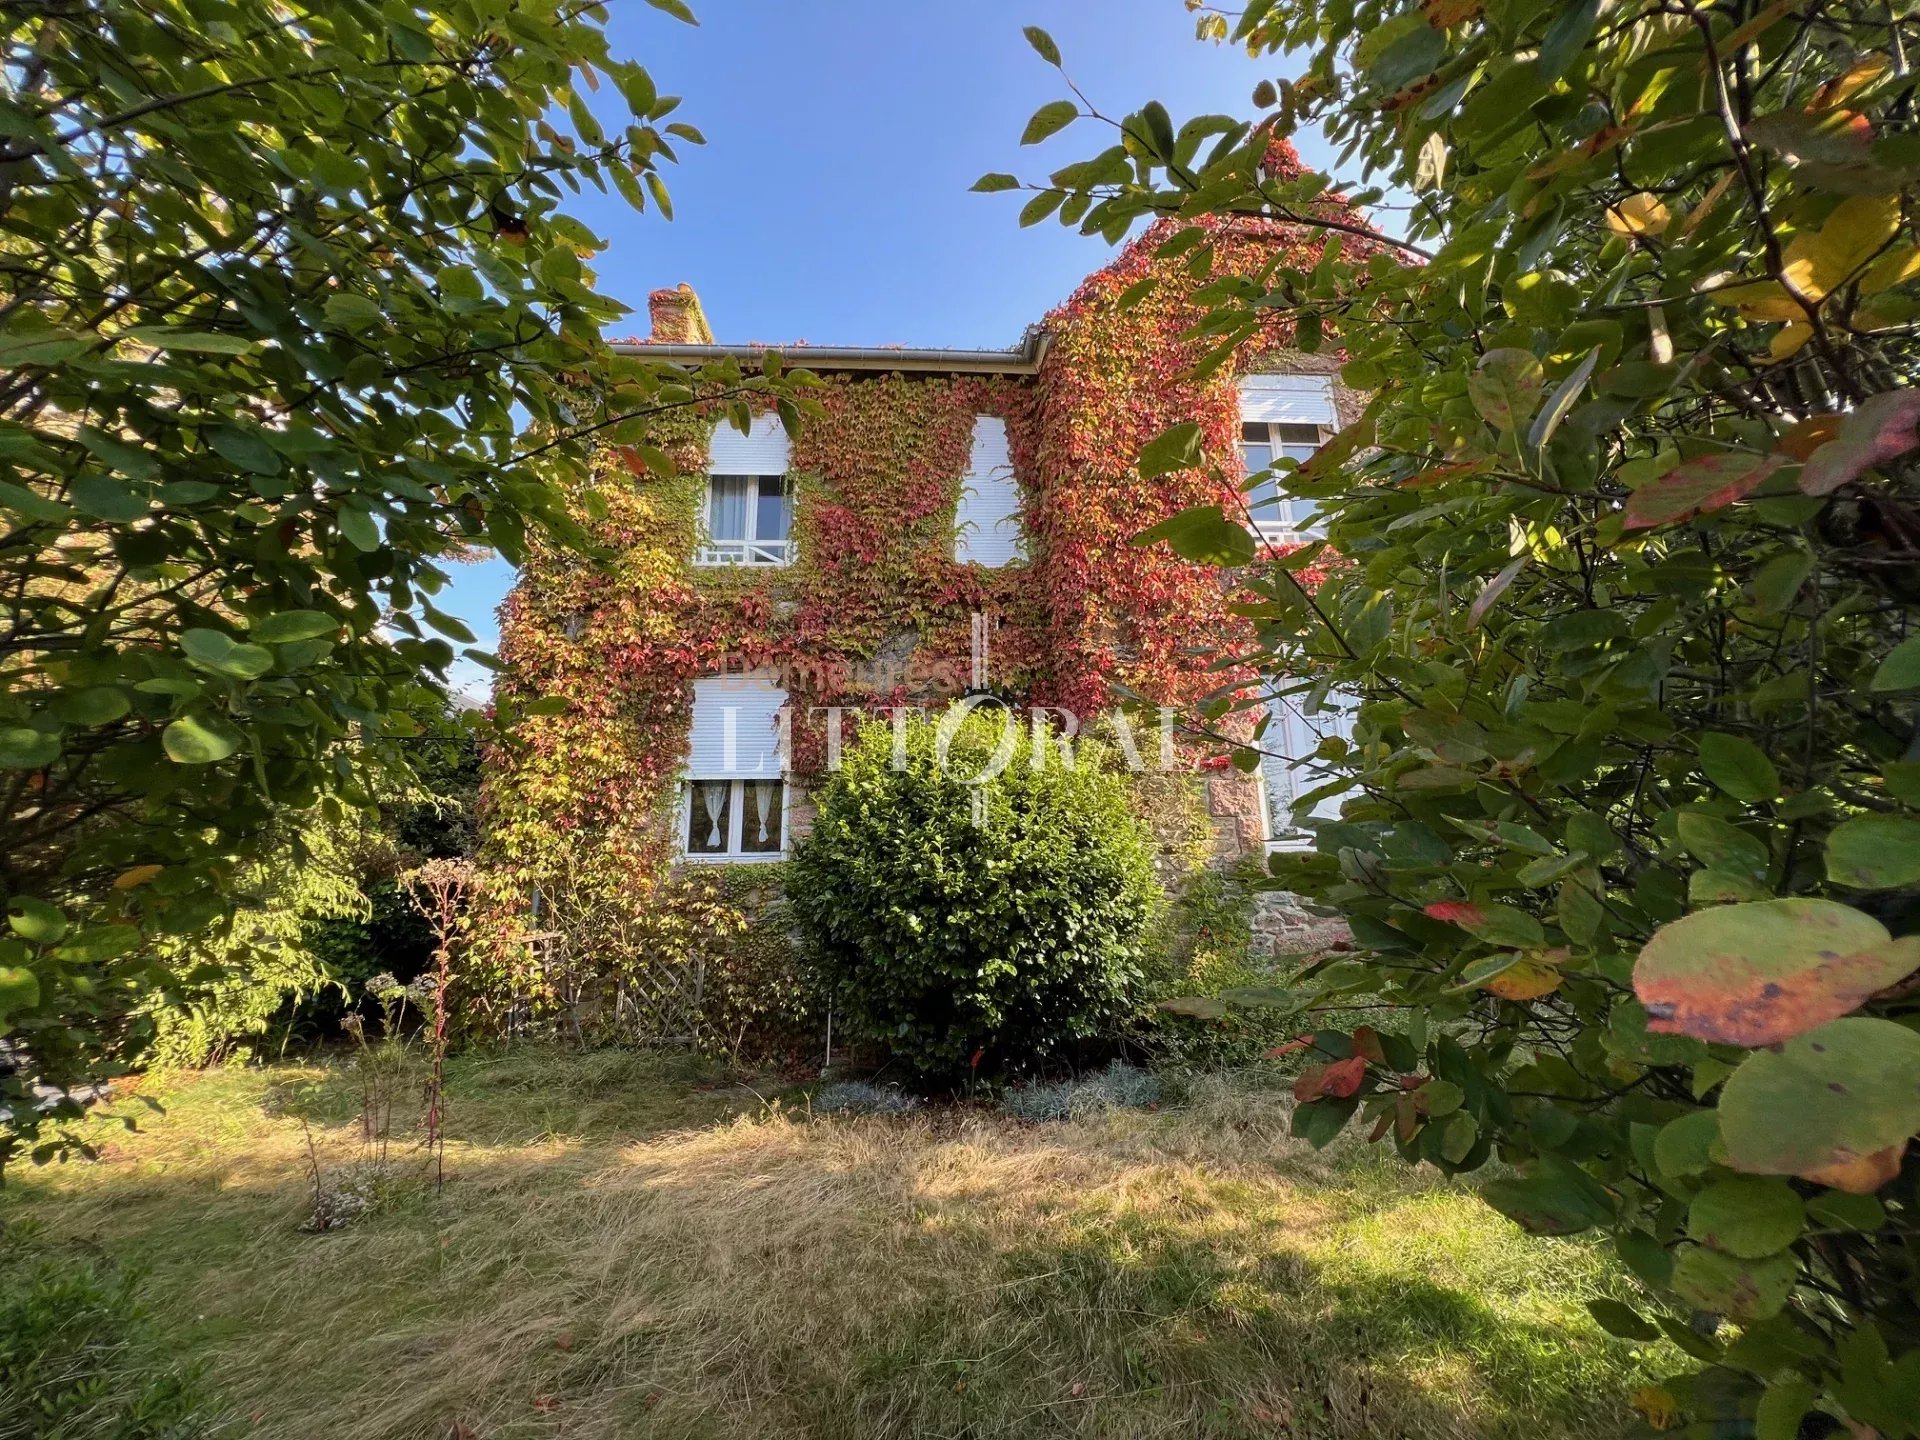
column 749, row 707
column 987, row 522
column 1288, row 400
column 763, row 451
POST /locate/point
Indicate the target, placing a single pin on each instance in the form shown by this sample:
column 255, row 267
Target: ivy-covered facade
column 950, row 523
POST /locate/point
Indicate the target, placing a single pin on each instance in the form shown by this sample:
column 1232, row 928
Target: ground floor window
column 735, row 819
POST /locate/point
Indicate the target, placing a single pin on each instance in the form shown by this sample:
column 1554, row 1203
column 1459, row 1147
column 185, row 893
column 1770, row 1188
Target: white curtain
column 764, row 792
column 727, row 518
column 713, row 800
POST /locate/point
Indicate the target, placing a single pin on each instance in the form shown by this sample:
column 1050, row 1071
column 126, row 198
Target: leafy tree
column 291, row 315
column 1626, row 551
column 975, row 928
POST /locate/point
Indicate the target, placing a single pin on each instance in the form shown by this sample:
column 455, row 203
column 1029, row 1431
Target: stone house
column 960, row 522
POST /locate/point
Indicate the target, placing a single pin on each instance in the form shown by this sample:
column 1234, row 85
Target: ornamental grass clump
column 982, row 906
column 1119, row 1087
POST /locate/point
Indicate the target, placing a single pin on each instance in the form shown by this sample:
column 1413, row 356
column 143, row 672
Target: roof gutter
column 1023, row 359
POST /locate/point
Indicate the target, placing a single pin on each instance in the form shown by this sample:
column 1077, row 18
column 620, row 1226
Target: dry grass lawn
column 626, row 1247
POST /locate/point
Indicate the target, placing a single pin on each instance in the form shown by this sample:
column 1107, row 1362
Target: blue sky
column 831, row 200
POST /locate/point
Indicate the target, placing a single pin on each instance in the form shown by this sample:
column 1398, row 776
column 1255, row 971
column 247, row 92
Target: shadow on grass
column 607, row 1262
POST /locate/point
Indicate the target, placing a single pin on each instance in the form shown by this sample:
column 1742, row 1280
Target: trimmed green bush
column 1014, row 939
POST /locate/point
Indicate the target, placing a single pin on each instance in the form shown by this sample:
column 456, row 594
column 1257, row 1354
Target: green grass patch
column 632, row 1245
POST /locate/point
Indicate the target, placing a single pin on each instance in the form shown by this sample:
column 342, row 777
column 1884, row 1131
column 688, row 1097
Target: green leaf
column 1622, row 1320
column 1747, row 1216
column 1042, row 43
column 1684, row 1147
column 353, row 312
column 1714, row 842
column 1900, row 670
column 1204, row 535
column 216, row 652
column 95, row 705
column 1564, row 38
column 1742, row 1290
column 357, row 526
column 286, row 626
column 676, row 8
column 1759, row 973
column 1195, row 1007
column 212, row 342
column 1505, row 388
column 19, row 990
column 1319, row 1122
column 1831, row 1100
column 1837, row 1210
column 1551, row 1196
column 1049, row 119
column 1875, row 852
column 1177, row 448
column 106, row 498
column 25, row 749
column 448, row 625
column 35, row 920
column 199, row 740
column 1561, row 401
column 1783, row 1407
column 996, row 180
column 1041, row 206
column 1739, row 767
column 244, row 448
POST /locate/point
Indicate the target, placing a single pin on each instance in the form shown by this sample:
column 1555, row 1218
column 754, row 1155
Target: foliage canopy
column 1626, row 543
column 292, row 316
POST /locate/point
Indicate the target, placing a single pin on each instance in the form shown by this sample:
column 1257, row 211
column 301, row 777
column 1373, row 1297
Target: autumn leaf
column 1882, row 429
column 1340, row 1078
column 1762, row 972
column 1699, row 487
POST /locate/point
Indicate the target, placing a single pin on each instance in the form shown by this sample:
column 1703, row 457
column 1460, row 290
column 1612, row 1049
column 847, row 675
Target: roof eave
column 1024, row 359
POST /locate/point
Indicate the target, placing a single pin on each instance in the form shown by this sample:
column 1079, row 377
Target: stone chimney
column 677, row 317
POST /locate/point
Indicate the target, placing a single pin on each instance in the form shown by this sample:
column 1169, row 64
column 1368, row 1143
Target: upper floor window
column 1263, row 443
column 986, row 528
column 749, row 521
column 748, row 518
column 1283, row 417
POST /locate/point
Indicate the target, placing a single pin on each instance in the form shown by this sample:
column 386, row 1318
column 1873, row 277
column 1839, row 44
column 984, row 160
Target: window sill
column 770, row 858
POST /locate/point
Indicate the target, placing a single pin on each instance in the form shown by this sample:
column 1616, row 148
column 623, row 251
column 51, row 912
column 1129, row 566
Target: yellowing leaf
column 1788, row 340
column 1656, row 1406
column 1762, row 300
column 1817, row 264
column 1896, row 267
column 1842, row 88
column 138, row 875
column 1640, row 214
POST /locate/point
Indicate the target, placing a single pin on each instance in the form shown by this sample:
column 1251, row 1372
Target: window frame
column 1280, row 524
column 1288, row 726
column 751, row 552
column 736, row 820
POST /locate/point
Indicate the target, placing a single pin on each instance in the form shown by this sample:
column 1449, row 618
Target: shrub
column 1630, row 528
column 987, row 946
column 71, row 1332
